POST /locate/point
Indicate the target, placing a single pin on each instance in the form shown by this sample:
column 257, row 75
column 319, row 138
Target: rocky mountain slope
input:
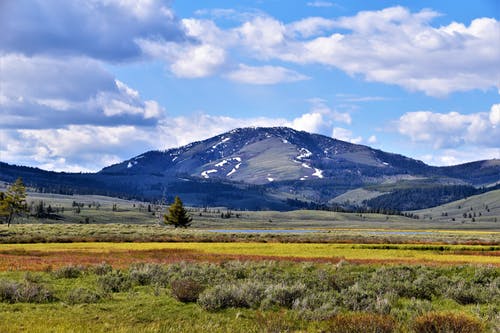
column 277, row 168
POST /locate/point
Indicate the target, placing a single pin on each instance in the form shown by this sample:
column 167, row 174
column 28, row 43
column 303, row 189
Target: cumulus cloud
column 495, row 115
column 345, row 135
column 398, row 47
column 42, row 91
column 393, row 46
column 463, row 155
column 451, row 130
column 98, row 29
column 372, row 139
column 310, row 26
column 263, row 75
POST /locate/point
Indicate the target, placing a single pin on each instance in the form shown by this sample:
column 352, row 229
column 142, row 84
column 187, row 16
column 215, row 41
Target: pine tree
column 177, row 215
column 13, row 202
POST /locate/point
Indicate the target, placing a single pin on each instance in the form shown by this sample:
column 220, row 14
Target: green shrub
column 115, row 281
column 467, row 293
column 145, row 274
column 447, row 322
column 28, row 292
column 8, row 291
column 242, row 295
column 69, row 272
column 186, row 290
column 82, row 295
column 34, row 293
column 102, row 269
column 283, row 295
column 361, row 323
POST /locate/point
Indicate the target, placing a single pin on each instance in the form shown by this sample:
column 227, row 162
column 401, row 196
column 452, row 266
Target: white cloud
column 262, row 35
column 310, row 26
column 309, row 122
column 464, row 155
column 264, row 75
column 43, row 92
column 495, row 114
column 345, row 135
column 398, row 47
column 186, row 60
column 372, row 139
column 451, row 129
column 105, row 29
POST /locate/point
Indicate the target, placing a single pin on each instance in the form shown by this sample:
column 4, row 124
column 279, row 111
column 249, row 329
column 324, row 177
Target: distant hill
column 263, row 168
column 477, row 208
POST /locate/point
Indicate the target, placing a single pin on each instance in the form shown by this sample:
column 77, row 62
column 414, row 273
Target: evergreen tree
column 13, row 202
column 177, row 215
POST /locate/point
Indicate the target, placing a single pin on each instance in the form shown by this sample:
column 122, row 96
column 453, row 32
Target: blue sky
column 84, row 84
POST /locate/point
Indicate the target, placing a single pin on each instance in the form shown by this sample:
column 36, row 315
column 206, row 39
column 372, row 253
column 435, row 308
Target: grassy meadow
column 112, row 266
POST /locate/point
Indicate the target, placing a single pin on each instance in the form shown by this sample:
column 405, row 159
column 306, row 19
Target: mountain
column 264, row 168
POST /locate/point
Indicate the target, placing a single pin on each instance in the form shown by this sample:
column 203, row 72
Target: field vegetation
column 103, row 264
column 246, row 296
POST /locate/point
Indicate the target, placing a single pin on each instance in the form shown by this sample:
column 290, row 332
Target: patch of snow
column 385, row 163
column 304, row 153
column 138, row 157
column 284, row 140
column 174, row 158
column 221, row 163
column 236, row 167
column 305, row 165
column 131, row 164
column 221, row 142
column 204, row 174
column 318, row 173
column 270, row 179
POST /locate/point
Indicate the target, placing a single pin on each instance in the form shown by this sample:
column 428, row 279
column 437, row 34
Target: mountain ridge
column 276, row 165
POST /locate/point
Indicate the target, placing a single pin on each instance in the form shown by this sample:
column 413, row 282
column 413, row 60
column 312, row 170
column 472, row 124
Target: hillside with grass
column 475, row 209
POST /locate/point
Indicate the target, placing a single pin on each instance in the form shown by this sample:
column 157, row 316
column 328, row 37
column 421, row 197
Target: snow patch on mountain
column 318, row 173
column 221, row 142
column 205, row 174
column 304, row 153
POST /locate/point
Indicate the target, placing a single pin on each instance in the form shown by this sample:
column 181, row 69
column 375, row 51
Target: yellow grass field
column 378, row 253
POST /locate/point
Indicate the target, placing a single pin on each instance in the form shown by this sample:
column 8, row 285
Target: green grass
column 483, row 207
column 293, row 297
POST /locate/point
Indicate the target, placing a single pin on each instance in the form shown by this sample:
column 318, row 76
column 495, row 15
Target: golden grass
column 24, row 256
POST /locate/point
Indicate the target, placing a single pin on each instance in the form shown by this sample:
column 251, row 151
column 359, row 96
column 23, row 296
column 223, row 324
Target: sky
column 89, row 83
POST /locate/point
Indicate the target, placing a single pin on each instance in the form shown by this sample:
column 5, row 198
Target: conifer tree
column 177, row 215
column 13, row 202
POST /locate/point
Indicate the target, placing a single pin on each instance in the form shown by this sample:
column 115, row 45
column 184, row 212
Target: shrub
column 8, row 291
column 144, row 274
column 361, row 323
column 82, row 295
column 34, row 293
column 283, row 295
column 102, row 269
column 69, row 272
column 28, row 292
column 114, row 281
column 447, row 322
column 186, row 290
column 466, row 293
column 356, row 298
column 243, row 295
